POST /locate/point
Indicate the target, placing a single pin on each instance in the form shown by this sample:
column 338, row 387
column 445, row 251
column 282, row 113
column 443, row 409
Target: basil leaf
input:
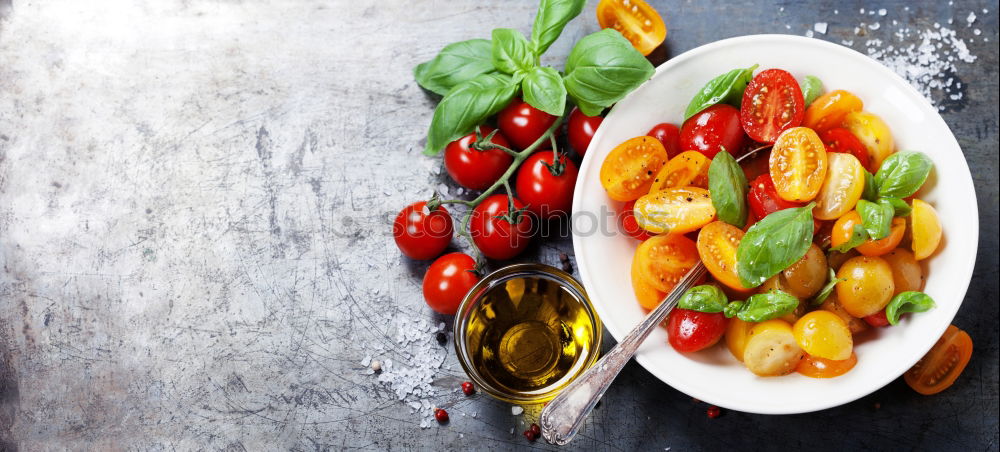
column 900, row 207
column 456, row 63
column 876, row 218
column 767, row 306
column 871, row 190
column 511, row 52
column 727, row 184
column 727, row 88
column 704, row 298
column 824, row 293
column 543, row 89
column 602, row 68
column 552, row 17
column 773, row 244
column 466, row 106
column 902, row 174
column 907, row 302
column 812, row 87
column 858, row 236
column 732, row 309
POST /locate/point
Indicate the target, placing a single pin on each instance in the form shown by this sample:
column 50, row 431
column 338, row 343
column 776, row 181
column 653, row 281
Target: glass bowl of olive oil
column 526, row 331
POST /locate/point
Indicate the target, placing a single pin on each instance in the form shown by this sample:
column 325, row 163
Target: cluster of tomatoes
column 499, row 225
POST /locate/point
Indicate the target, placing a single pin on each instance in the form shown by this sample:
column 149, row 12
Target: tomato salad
column 815, row 237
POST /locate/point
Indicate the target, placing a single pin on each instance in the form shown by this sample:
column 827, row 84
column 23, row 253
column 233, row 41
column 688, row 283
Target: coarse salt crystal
column 820, row 27
column 874, row 26
column 809, row 33
column 882, row 12
column 977, row 32
column 971, row 18
column 516, row 410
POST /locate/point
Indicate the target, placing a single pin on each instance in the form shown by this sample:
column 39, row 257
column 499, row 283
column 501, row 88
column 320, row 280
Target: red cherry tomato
column 772, row 103
column 877, row 319
column 669, row 135
column 447, row 281
column 713, row 129
column 690, row 331
column 523, row 124
column 842, row 140
column 546, row 194
column 420, row 233
column 497, row 237
column 630, row 225
column 580, row 129
column 476, row 170
column 763, row 197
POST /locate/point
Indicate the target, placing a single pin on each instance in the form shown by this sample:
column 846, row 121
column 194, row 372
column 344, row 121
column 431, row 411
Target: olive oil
column 530, row 335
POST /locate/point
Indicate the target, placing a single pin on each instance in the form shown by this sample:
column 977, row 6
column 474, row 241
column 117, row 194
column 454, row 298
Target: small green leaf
column 456, row 63
column 876, row 218
column 900, row 207
column 602, row 68
column 824, row 293
column 543, row 89
column 858, row 236
column 466, row 106
column 773, row 244
column 726, row 88
column 511, row 51
column 727, row 184
column 902, row 174
column 551, row 18
column 871, row 190
column 768, row 305
column 732, row 309
column 704, row 298
column 907, row 302
column 812, row 87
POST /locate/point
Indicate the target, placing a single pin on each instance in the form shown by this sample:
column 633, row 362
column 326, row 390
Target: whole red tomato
column 473, row 169
column 421, row 233
column 670, row 136
column 494, row 233
column 523, row 124
column 713, row 129
column 630, row 225
column 580, row 129
column 546, row 194
column 447, row 281
column 690, row 331
column 839, row 139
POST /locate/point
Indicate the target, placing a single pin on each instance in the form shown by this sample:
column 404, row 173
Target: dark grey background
column 194, row 238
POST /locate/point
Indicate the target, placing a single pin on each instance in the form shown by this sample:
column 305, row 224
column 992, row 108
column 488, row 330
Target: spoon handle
column 564, row 415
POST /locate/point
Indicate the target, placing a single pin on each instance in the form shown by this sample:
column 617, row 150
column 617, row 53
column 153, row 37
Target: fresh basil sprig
column 601, row 69
column 552, row 17
column 766, row 306
column 824, row 293
column 726, row 88
column 466, row 106
column 811, row 87
column 458, row 62
column 512, row 52
column 704, row 298
column 907, row 302
column 902, row 174
column 727, row 185
column 876, row 218
column 773, row 244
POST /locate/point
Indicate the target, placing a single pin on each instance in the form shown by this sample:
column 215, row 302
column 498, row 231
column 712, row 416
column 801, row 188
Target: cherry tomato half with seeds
column 523, row 124
column 447, row 281
column 580, row 130
column 689, row 331
column 421, row 233
column 713, row 129
column 635, row 20
column 474, row 169
column 798, row 164
column 669, row 135
column 630, row 226
column 547, row 194
column 941, row 366
column 493, row 231
column 630, row 168
column 763, row 197
column 841, row 140
column 772, row 104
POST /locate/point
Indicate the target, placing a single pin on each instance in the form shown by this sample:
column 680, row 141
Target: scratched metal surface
column 194, row 200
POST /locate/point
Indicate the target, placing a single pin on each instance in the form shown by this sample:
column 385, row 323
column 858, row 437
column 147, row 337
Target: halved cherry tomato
column 844, row 184
column 828, row 111
column 688, row 168
column 476, row 170
column 763, row 197
column 689, row 331
column 798, row 164
column 630, row 226
column 823, row 334
column 635, row 20
column 844, row 228
column 926, row 229
column 675, row 210
column 878, row 319
column 649, row 297
column 717, row 244
column 906, row 272
column 665, row 259
column 629, row 170
column 669, row 135
column 839, row 139
column 580, row 129
column 941, row 366
column 873, row 133
column 523, row 124
column 737, row 334
column 771, row 349
column 772, row 104
column 816, row 367
column 866, row 285
column 713, row 129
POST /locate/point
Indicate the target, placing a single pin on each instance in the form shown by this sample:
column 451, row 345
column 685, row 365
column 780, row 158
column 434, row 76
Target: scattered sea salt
column 874, row 26
column 977, row 32
column 516, row 410
column 970, row 19
column 411, row 378
column 809, row 33
column 820, row 27
column 882, row 12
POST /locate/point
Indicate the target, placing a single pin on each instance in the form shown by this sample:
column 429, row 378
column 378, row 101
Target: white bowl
column 714, row 376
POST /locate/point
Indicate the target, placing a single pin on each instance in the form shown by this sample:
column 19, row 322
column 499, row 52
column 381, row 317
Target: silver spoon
column 562, row 418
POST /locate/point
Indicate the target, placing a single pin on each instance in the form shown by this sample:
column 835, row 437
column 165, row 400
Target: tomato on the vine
column 580, row 129
column 630, row 225
column 473, row 169
column 713, row 129
column 841, row 140
column 546, row 194
column 523, row 124
column 497, row 231
column 421, row 233
column 669, row 135
column 772, row 103
column 689, row 331
column 635, row 20
column 447, row 281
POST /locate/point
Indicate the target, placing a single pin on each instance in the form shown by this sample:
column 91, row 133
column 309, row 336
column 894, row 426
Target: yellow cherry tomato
column 737, row 333
column 674, row 210
column 687, row 168
column 926, row 229
column 854, row 324
column 771, row 349
column 635, row 20
column 816, row 367
column 629, row 169
column 808, row 275
column 828, row 111
column 824, row 334
column 798, row 164
column 866, row 285
column 844, row 184
column 873, row 133
column 906, row 272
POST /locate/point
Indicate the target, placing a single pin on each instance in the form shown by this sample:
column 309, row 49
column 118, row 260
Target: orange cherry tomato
column 926, row 229
column 816, row 367
column 906, row 272
column 675, row 210
column 635, row 20
column 647, row 295
column 629, row 169
column 688, row 168
column 844, row 227
column 665, row 259
column 939, row 368
column 737, row 333
column 844, row 184
column 717, row 244
column 829, row 110
column 798, row 164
